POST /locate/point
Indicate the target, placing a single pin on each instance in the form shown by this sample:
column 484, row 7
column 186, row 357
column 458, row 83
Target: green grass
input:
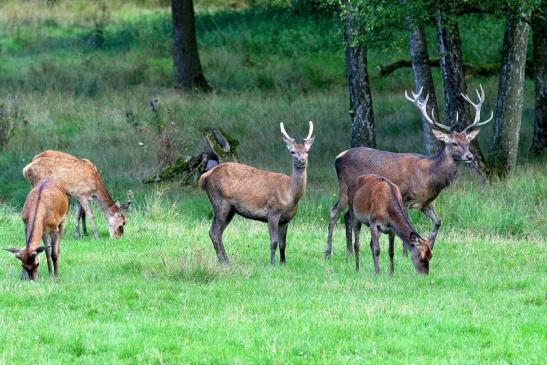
column 158, row 295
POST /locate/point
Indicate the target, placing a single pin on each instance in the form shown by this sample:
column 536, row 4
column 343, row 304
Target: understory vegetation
column 79, row 77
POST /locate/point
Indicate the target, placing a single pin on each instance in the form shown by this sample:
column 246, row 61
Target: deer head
column 29, row 260
column 298, row 151
column 457, row 143
column 117, row 220
column 420, row 253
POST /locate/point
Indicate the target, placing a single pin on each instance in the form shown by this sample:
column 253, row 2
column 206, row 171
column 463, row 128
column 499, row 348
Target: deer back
column 76, row 176
column 45, row 208
column 417, row 177
column 374, row 197
column 246, row 187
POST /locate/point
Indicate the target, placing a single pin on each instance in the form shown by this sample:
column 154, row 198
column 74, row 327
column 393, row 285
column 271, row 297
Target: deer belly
column 256, row 213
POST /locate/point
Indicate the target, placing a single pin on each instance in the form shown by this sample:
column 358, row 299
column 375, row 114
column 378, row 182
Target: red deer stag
column 80, row 179
column 419, row 178
column 44, row 216
column 377, row 202
column 259, row 195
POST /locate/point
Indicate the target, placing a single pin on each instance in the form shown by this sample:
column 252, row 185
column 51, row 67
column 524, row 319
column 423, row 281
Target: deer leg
column 47, row 242
column 282, row 241
column 77, row 215
column 430, row 212
column 391, row 251
column 85, row 205
column 356, row 245
column 55, row 237
column 80, row 216
column 57, row 248
column 333, row 217
column 273, row 227
column 348, row 221
column 375, row 246
column 223, row 216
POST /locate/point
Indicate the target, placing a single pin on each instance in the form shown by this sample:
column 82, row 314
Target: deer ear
column 41, row 249
column 441, row 136
column 308, row 143
column 289, row 143
column 471, row 135
column 413, row 238
column 124, row 206
column 13, row 250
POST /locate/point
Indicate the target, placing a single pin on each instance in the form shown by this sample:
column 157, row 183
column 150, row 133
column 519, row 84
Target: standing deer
column 80, row 179
column 377, row 202
column 259, row 195
column 44, row 216
column 419, row 178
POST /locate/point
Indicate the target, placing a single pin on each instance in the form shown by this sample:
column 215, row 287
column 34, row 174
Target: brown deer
column 80, row 179
column 419, row 178
column 44, row 215
column 259, row 195
column 377, row 202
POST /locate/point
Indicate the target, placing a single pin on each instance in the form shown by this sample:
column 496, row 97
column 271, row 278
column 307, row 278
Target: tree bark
column 362, row 118
column 539, row 29
column 508, row 113
column 188, row 73
column 453, row 76
column 422, row 78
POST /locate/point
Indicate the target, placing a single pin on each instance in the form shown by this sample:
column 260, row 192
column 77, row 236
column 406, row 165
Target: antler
column 310, row 133
column 284, row 133
column 477, row 107
column 422, row 106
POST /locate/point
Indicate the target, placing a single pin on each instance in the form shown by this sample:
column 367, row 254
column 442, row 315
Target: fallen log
column 218, row 147
column 489, row 69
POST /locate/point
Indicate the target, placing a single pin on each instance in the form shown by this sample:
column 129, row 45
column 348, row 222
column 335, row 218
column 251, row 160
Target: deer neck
column 35, row 225
column 442, row 170
column 298, row 183
column 34, row 232
column 105, row 202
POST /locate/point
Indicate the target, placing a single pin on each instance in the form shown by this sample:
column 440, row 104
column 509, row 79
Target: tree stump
column 218, row 147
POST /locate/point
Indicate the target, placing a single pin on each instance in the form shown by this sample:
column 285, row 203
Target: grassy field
column 157, row 295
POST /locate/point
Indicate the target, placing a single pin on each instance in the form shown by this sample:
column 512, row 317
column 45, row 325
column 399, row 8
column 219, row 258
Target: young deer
column 80, row 179
column 259, row 195
column 377, row 202
column 44, row 215
column 419, row 178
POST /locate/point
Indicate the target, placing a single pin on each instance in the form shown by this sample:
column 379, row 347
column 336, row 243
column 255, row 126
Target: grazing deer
column 259, row 195
column 80, row 179
column 377, row 202
column 44, row 215
column 419, row 178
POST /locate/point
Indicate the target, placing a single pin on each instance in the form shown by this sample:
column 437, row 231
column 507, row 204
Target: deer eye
column 454, row 143
column 293, row 152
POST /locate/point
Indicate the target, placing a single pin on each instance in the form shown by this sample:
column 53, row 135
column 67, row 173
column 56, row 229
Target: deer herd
column 377, row 187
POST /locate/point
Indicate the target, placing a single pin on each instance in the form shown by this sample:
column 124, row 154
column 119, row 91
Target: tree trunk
column 505, row 140
column 451, row 60
column 188, row 74
column 422, row 78
column 539, row 28
column 362, row 118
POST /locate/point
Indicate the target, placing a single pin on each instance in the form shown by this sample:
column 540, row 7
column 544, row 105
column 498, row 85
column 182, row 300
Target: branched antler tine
column 408, row 97
column 310, row 133
column 284, row 132
column 422, row 106
column 477, row 107
column 487, row 120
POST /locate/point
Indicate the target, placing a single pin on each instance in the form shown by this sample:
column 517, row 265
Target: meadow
column 157, row 295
